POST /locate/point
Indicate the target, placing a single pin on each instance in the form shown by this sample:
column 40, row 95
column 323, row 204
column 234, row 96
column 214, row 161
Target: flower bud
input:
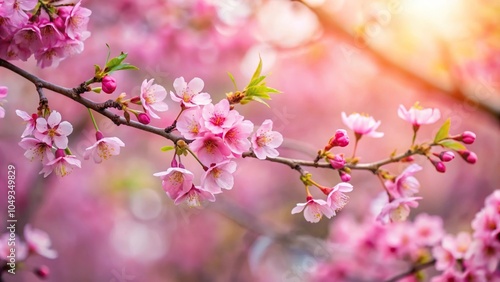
column 468, row 156
column 341, row 139
column 344, row 176
column 98, row 136
column 440, row 167
column 42, row 271
column 468, row 137
column 60, row 153
column 337, row 161
column 445, row 156
column 108, row 84
column 143, row 118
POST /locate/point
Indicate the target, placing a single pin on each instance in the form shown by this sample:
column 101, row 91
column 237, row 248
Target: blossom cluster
column 36, row 242
column 377, row 252
column 50, row 31
column 215, row 133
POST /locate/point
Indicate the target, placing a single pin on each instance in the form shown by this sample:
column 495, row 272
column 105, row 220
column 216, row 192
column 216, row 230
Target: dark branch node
column 109, row 104
column 170, row 128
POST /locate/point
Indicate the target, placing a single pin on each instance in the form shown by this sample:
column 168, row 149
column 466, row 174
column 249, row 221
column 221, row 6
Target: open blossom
column 428, row 230
column 314, row 209
column 62, row 164
column 36, row 150
column 189, row 93
column 417, row 115
column 210, row 149
column 38, row 242
column 362, row 125
column 451, row 249
column 337, row 199
column 190, row 124
column 398, row 209
column 265, row 141
column 104, row 148
column 76, row 22
column 52, row 130
column 236, row 137
column 3, row 94
column 195, row 196
column 152, row 96
column 30, row 122
column 218, row 177
column 176, row 181
column 405, row 185
column 219, row 116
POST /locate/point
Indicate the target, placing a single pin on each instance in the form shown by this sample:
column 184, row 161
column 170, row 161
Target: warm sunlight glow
column 439, row 15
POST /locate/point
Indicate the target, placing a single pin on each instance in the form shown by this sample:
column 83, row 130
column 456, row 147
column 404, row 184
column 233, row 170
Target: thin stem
column 93, row 119
column 196, row 158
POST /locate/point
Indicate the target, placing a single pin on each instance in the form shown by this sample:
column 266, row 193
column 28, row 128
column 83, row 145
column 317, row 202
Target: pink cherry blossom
column 49, row 56
column 103, row 148
column 62, row 164
column 190, row 123
column 76, row 22
column 417, row 115
column 218, row 177
column 30, row 122
column 362, row 124
column 210, row 149
column 405, row 185
column 176, row 181
column 37, row 150
column 3, row 94
column 28, row 37
column 52, row 130
column 195, row 196
column 398, row 209
column 486, row 223
column 265, row 141
column 428, row 229
column 314, row 210
column 38, row 242
column 50, row 34
column 219, row 116
column 236, row 137
column 16, row 10
column 152, row 96
column 337, row 199
column 189, row 93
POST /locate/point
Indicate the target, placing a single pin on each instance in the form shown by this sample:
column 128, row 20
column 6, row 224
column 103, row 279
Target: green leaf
column 233, row 80
column 125, row 66
column 443, row 131
column 260, row 100
column 116, row 61
column 97, row 69
column 257, row 72
column 453, row 145
column 167, row 148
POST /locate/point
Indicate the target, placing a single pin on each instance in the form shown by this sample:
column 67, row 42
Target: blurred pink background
column 113, row 221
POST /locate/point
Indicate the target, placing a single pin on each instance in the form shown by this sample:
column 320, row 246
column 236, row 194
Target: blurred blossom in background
column 113, row 222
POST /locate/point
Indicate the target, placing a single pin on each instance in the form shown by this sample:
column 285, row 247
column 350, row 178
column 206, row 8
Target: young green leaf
column 167, row 148
column 453, row 145
column 443, row 131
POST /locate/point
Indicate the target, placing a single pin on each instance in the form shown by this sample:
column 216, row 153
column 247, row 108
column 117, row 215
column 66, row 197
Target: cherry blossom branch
column 412, row 270
column 102, row 108
column 332, row 26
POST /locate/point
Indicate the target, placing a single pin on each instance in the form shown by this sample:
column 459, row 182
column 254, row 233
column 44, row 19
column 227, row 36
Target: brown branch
column 333, row 27
column 413, row 270
column 74, row 94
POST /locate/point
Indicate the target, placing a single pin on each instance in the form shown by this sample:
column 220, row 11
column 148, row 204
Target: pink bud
column 42, row 271
column 440, row 167
column 143, row 118
column 468, row 137
column 341, row 139
column 174, row 163
column 60, row 153
column 446, row 156
column 108, row 84
column 344, row 176
column 468, row 156
column 98, row 136
column 337, row 161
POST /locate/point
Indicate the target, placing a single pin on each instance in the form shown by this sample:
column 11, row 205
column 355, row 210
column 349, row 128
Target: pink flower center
column 176, row 178
column 217, row 120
